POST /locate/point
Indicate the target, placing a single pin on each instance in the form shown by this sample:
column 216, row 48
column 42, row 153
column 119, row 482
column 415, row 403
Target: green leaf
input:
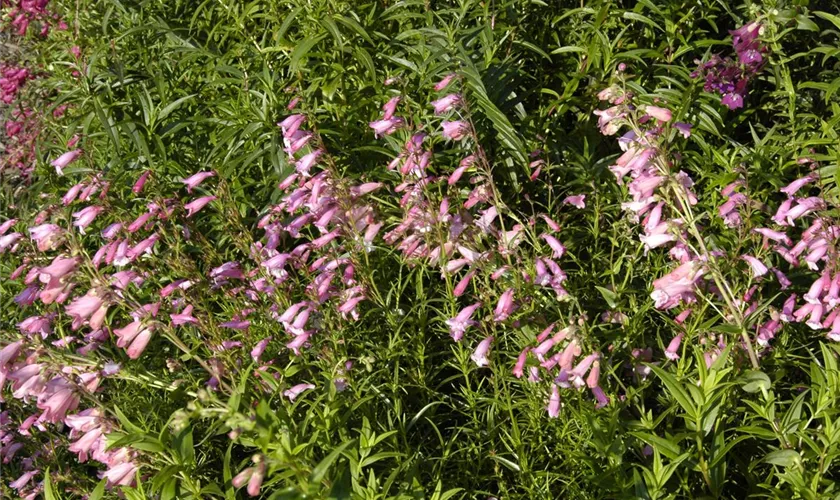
column 302, row 49
column 665, row 446
column 784, row 458
column 608, row 295
column 99, row 491
column 321, row 469
column 754, row 381
column 675, row 390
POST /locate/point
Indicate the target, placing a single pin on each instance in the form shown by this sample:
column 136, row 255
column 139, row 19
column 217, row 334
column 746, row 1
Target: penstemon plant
column 418, row 249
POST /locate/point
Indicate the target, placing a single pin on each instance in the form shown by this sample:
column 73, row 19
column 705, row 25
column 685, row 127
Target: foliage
column 738, row 399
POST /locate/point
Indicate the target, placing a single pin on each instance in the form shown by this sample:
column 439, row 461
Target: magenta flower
column 792, row 188
column 141, row 181
column 459, row 324
column 577, row 200
column 194, row 180
column 307, row 161
column 121, row 474
column 194, row 206
column 455, row 130
column 236, row 325
column 184, row 317
column 479, row 356
column 258, row 349
column 684, row 129
column 66, row 159
column 504, row 307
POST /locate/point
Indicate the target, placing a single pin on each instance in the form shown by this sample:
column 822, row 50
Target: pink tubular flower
column 758, row 267
column 196, row 179
column 293, row 392
column 661, row 114
column 446, row 103
column 141, row 181
column 390, row 107
column 90, row 306
column 184, row 317
column 455, row 130
column 556, row 246
column 386, row 126
column 194, row 206
column 459, row 324
column 85, row 216
column 519, row 368
column 66, row 159
column 445, row 82
column 47, row 236
column 576, row 200
column 673, row 347
column 253, row 476
column 554, row 402
column 479, row 356
column 776, row 236
column 504, row 307
column 121, row 474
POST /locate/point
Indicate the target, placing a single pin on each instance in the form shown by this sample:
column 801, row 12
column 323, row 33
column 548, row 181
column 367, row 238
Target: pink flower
column 58, row 404
column 293, row 392
column 445, row 82
column 253, row 476
column 758, row 267
column 141, row 181
column 307, row 161
column 194, row 206
column 134, row 338
column 184, row 317
column 386, row 126
column 673, row 347
column 121, row 474
column 258, row 349
column 459, row 324
column 556, row 246
column 554, row 402
column 519, row 368
column 85, row 216
column 291, row 124
column 47, row 236
column 481, row 352
column 796, row 185
column 390, row 107
column 777, row 236
column 684, row 129
column 504, row 307
column 576, row 200
column 446, row 103
column 455, row 130
column 9, row 241
column 90, row 306
column 194, row 180
column 66, row 159
column 661, row 114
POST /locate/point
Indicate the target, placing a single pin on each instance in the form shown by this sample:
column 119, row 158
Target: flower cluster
column 730, row 78
column 24, row 13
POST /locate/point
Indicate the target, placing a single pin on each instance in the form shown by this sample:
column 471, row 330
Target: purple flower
column 66, row 159
column 293, row 392
column 459, row 324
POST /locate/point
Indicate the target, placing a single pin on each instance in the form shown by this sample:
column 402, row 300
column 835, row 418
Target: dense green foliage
column 177, row 87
